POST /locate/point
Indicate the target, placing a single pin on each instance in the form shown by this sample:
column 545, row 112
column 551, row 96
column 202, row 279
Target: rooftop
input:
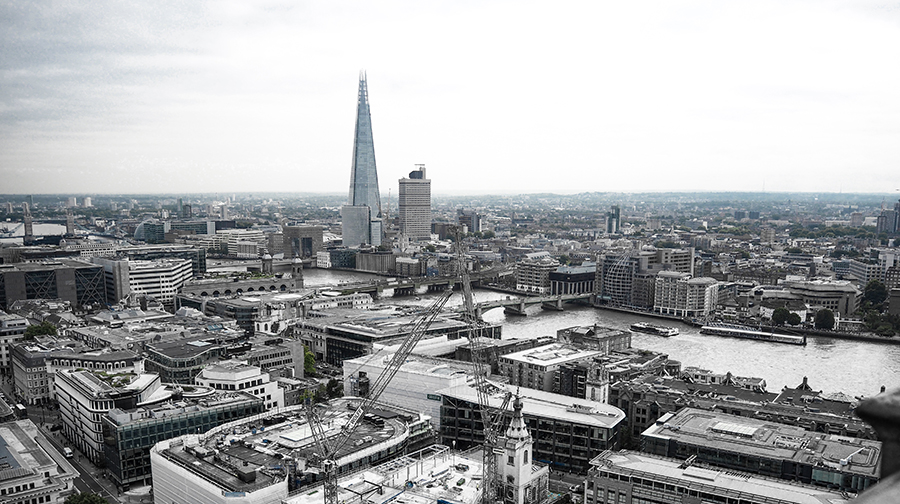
column 58, row 263
column 436, row 474
column 553, row 354
column 197, row 399
column 730, row 483
column 261, row 443
column 24, row 452
column 768, row 440
column 537, row 403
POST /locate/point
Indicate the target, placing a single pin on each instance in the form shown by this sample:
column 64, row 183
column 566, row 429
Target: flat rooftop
column 729, row 483
column 537, row 403
column 768, row 440
column 263, row 443
column 23, row 452
column 551, row 355
column 203, row 398
column 58, row 263
column 436, row 474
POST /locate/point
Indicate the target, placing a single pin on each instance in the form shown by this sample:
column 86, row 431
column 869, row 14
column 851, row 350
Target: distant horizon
column 454, row 193
column 631, row 97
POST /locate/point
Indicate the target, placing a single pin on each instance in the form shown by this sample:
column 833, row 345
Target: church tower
column 297, row 272
column 521, row 481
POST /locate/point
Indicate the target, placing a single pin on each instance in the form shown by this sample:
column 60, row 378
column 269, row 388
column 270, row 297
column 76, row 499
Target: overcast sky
column 492, row 96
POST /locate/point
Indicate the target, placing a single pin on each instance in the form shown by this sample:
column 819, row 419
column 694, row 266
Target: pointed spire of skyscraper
column 362, row 215
column 364, row 176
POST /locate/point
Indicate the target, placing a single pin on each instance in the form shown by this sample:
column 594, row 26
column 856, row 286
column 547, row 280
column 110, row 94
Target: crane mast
column 491, row 423
column 330, row 448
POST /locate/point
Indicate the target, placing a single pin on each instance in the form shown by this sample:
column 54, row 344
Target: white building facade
column 238, row 375
column 679, row 295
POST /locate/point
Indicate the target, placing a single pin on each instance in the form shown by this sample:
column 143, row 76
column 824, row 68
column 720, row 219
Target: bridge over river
column 513, row 304
column 517, row 305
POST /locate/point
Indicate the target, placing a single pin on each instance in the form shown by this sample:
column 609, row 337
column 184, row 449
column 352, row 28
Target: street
column 44, row 418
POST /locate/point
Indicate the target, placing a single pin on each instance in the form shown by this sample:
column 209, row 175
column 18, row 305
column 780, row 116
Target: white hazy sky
column 492, row 96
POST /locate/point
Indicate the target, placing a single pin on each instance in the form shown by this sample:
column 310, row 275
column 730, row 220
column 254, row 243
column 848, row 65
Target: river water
column 832, row 365
column 17, row 230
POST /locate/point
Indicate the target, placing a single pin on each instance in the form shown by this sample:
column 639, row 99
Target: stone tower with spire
column 521, row 481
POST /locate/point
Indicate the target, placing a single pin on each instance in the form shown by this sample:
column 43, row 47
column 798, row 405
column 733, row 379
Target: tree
column 309, row 362
column 488, row 235
column 334, row 388
column 43, row 329
column 794, row 319
column 85, row 498
column 825, row 319
column 885, row 330
column 780, row 316
column 875, row 293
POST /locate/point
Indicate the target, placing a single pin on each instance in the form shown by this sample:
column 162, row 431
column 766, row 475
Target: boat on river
column 646, row 327
column 738, row 331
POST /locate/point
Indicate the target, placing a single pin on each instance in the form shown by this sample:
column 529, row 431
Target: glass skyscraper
column 361, row 216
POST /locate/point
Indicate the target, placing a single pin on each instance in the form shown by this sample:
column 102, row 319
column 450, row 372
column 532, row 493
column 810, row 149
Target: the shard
column 361, row 216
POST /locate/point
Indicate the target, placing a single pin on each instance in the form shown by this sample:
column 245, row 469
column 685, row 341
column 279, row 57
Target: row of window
column 16, row 489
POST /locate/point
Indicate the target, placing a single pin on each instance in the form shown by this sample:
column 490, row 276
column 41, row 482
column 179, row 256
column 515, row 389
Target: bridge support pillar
column 556, row 305
column 404, row 291
column 516, row 310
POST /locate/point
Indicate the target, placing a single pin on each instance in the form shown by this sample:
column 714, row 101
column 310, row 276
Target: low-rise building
column 265, row 458
column 635, row 478
column 35, row 364
column 766, row 448
column 536, row 368
column 350, row 334
column 841, row 297
column 33, row 471
column 234, row 375
column 130, row 433
column 414, row 386
column 569, row 432
column 181, row 360
column 596, row 337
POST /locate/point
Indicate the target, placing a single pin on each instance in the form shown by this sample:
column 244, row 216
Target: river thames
column 832, row 365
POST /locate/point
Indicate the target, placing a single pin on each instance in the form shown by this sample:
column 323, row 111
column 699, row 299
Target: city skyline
column 498, row 97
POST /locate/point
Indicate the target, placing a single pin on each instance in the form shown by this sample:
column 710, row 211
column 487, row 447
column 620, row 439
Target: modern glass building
column 128, row 435
column 361, row 216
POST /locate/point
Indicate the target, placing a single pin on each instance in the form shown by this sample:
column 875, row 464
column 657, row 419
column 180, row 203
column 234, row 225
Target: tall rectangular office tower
column 361, row 216
column 415, row 205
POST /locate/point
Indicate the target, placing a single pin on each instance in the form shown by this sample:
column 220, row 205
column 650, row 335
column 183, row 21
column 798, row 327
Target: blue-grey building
column 361, row 216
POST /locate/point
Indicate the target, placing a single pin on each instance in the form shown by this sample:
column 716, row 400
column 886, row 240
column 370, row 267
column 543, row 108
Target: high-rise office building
column 613, row 219
column 469, row 218
column 415, row 205
column 361, row 216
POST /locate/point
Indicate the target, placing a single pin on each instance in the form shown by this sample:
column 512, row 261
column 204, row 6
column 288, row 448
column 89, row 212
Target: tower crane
column 491, row 423
column 329, row 447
